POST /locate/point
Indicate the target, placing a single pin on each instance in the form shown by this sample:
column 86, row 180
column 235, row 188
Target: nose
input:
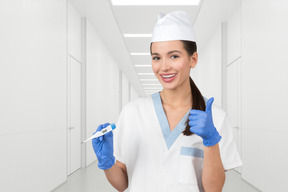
column 165, row 65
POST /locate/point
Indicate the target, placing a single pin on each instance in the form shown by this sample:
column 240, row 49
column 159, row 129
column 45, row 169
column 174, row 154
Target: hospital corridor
column 69, row 67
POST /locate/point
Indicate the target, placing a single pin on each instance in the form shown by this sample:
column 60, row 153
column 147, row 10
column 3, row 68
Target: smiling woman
column 171, row 64
column 188, row 50
column 154, row 147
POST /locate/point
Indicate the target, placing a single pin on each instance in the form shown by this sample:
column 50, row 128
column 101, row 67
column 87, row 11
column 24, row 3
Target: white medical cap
column 173, row 26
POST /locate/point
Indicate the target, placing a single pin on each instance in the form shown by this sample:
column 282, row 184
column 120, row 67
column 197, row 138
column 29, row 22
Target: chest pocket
column 190, row 166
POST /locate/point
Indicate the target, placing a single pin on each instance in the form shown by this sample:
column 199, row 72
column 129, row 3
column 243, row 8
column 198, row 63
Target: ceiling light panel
column 151, row 91
column 155, row 84
column 152, row 88
column 139, row 54
column 145, row 73
column 155, row 2
column 149, row 65
column 137, row 35
column 153, row 80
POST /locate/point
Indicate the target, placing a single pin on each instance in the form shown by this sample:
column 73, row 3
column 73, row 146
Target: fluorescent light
column 148, row 79
column 137, row 35
column 142, row 65
column 155, row 2
column 152, row 88
column 145, row 73
column 140, row 53
column 151, row 85
column 150, row 91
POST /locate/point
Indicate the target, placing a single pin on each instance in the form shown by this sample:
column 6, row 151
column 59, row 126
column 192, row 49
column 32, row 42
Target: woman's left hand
column 201, row 123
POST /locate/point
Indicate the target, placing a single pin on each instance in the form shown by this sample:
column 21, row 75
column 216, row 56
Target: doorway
column 234, row 102
column 74, row 116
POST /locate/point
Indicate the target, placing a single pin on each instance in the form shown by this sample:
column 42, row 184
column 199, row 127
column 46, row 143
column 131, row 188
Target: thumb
column 209, row 104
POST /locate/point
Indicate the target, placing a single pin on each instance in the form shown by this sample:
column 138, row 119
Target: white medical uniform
column 160, row 160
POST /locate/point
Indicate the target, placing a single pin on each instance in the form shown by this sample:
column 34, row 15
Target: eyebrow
column 173, row 52
column 170, row 52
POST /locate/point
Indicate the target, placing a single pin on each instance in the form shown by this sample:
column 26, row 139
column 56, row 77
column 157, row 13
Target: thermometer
column 102, row 132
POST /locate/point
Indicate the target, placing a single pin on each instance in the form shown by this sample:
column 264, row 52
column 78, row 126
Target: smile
column 168, row 77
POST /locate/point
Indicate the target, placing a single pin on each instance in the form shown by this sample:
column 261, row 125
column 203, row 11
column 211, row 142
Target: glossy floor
column 92, row 179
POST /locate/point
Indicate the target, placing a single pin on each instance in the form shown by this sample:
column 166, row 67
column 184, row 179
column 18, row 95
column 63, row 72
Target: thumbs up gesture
column 201, row 123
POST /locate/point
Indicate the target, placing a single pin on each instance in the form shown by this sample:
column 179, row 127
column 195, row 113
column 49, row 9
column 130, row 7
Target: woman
column 170, row 141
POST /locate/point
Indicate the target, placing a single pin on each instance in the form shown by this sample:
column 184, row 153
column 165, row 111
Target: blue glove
column 201, row 123
column 103, row 148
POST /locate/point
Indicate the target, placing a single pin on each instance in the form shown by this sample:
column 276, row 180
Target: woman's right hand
column 103, row 148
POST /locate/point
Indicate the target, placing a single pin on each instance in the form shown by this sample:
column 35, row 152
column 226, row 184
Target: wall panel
column 33, row 78
column 264, row 45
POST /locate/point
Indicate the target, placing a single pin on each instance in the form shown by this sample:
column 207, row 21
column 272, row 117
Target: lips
column 168, row 77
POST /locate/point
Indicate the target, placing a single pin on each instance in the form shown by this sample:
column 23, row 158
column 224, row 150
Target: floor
column 92, row 179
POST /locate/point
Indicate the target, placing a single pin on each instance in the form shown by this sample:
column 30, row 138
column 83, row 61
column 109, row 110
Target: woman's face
column 171, row 63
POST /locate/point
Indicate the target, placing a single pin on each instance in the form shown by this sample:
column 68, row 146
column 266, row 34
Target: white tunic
column 160, row 160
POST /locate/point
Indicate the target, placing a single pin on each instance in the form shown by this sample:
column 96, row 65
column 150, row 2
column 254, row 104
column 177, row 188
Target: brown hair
column 196, row 96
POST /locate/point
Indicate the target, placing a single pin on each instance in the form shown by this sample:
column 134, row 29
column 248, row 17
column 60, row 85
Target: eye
column 155, row 58
column 174, row 56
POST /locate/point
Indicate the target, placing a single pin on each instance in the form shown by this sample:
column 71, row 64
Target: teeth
column 168, row 76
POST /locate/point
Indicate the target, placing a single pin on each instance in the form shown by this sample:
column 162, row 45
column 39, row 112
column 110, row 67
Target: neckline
column 169, row 136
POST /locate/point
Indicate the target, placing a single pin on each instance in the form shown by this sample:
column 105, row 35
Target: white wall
column 257, row 34
column 207, row 73
column 35, row 38
column 74, row 32
column 133, row 93
column 265, row 92
column 125, row 90
column 33, row 95
column 102, row 86
column 234, row 36
column 233, row 76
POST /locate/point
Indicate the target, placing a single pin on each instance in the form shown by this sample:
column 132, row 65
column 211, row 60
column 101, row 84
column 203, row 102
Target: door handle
column 70, row 128
column 236, row 127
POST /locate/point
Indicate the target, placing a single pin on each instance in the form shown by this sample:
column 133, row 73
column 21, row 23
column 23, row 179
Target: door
column 74, row 115
column 234, row 101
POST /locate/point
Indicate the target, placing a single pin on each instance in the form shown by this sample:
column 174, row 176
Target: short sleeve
column 118, row 138
column 125, row 136
column 228, row 149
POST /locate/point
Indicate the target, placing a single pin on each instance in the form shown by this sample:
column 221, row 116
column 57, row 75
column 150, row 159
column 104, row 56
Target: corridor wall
column 208, row 71
column 33, row 51
column 261, row 44
column 125, row 90
column 36, row 37
column 133, row 93
column 264, row 103
column 102, row 76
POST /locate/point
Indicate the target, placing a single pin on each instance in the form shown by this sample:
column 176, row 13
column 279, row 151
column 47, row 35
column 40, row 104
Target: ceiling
column 112, row 22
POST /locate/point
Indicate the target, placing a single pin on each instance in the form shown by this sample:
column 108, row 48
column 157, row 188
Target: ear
column 193, row 59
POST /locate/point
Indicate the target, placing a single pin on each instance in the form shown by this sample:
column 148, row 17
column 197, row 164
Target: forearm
column 213, row 175
column 117, row 176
